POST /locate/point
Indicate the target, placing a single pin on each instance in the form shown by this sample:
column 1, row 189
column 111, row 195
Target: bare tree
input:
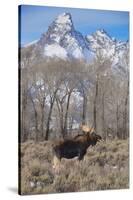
column 61, row 95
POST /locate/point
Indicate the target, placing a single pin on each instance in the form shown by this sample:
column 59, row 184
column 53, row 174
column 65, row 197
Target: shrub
column 105, row 166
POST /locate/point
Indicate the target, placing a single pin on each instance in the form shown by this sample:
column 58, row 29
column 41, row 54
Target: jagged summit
column 99, row 39
column 102, row 31
column 64, row 18
column 103, row 34
column 108, row 47
column 63, row 41
column 59, row 27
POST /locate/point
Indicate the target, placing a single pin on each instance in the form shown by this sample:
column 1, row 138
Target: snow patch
column 77, row 53
column 55, row 50
column 64, row 19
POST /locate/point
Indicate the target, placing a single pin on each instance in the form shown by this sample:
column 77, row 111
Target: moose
column 76, row 146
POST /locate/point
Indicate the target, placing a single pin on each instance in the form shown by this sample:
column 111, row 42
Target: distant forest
column 58, row 96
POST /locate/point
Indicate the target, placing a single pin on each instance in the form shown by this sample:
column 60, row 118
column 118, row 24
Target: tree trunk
column 84, row 109
column 23, row 104
column 24, row 115
column 66, row 114
column 60, row 110
column 103, row 118
column 36, row 126
column 49, row 115
column 95, row 106
column 36, row 119
column 117, row 121
column 125, row 134
column 48, row 121
column 42, row 121
column 71, row 125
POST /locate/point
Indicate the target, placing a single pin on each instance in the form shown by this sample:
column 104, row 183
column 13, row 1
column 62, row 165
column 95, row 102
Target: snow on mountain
column 109, row 47
column 101, row 41
column 53, row 50
column 62, row 41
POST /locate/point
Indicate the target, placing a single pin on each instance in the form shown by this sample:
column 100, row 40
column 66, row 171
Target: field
column 105, row 166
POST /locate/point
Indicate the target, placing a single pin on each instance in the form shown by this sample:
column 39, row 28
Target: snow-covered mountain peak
column 63, row 41
column 61, row 26
column 101, row 42
column 101, row 32
column 100, row 37
column 64, row 18
column 63, row 23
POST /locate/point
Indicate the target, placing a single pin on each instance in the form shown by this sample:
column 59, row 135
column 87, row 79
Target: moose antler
column 87, row 129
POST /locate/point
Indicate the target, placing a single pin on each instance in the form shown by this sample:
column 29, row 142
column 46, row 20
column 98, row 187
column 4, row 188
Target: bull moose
column 77, row 146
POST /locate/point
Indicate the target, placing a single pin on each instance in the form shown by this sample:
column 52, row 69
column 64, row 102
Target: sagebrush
column 105, row 166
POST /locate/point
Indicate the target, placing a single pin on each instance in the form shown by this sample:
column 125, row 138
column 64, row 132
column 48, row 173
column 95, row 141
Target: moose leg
column 81, row 155
column 56, row 163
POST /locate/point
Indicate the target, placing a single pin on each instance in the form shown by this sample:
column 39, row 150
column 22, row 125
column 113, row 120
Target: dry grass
column 105, row 166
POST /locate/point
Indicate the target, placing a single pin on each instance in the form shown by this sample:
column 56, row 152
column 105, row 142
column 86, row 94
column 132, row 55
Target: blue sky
column 36, row 19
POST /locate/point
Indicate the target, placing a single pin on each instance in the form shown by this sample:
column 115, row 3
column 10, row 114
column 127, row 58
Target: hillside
column 63, row 41
column 105, row 166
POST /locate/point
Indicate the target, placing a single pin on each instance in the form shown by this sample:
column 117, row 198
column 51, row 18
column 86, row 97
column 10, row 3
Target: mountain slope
column 62, row 41
column 109, row 47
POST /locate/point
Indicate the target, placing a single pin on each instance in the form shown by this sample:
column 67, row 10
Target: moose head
column 88, row 135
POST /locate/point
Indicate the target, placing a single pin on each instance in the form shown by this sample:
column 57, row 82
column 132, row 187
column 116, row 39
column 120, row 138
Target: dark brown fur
column 77, row 146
